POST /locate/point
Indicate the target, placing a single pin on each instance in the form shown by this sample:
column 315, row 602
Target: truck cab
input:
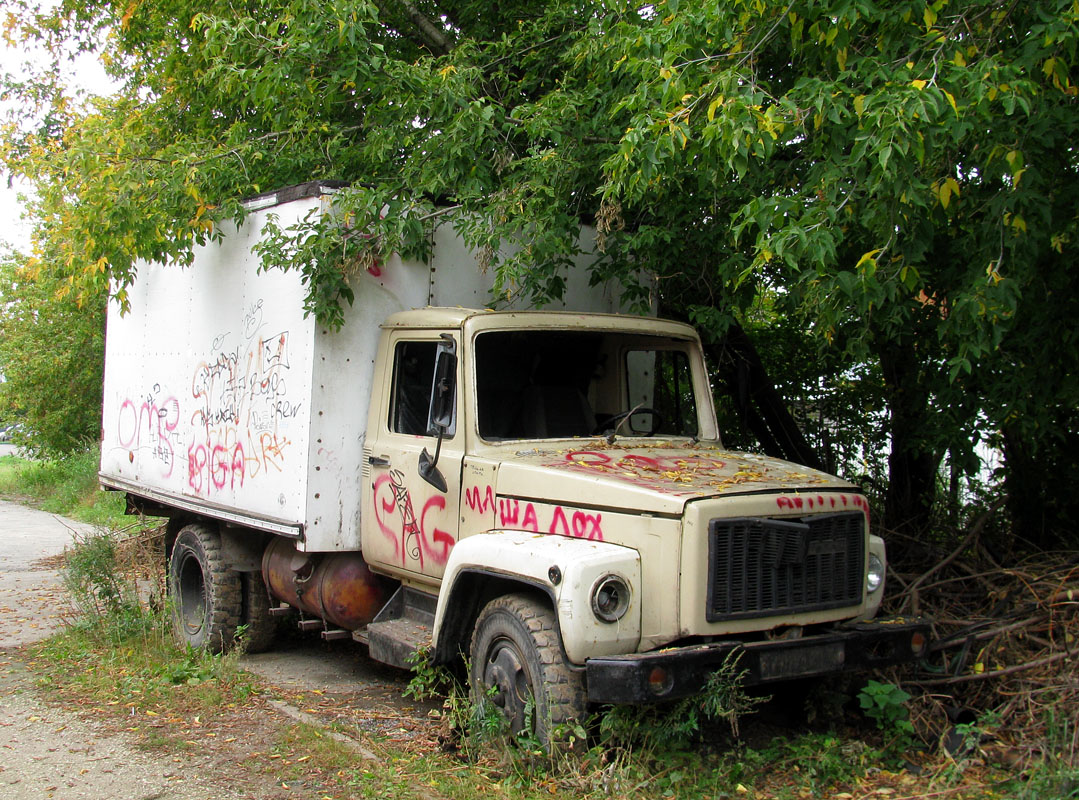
column 572, row 463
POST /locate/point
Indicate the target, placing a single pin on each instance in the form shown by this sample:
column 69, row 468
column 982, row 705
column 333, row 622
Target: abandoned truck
column 542, row 492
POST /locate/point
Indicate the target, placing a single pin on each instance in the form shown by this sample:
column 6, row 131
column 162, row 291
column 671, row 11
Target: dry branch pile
column 1005, row 638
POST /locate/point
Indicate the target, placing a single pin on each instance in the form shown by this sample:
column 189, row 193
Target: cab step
column 402, row 628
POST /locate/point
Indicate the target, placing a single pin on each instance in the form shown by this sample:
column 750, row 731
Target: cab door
column 415, row 459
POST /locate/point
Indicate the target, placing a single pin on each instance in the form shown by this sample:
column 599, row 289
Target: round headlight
column 610, row 598
column 874, row 579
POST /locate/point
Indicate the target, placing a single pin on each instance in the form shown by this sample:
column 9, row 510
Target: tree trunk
column 758, row 403
column 912, row 464
column 1043, row 508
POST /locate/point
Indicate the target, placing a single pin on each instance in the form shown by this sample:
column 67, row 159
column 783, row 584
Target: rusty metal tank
column 338, row 587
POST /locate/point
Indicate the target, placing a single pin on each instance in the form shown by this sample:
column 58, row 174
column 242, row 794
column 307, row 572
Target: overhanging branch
column 431, row 35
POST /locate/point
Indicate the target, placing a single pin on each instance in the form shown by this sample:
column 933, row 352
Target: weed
column 108, row 601
column 885, row 704
column 428, row 680
column 673, row 725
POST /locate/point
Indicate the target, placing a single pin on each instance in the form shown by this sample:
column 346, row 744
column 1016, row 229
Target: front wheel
column 207, row 597
column 517, row 665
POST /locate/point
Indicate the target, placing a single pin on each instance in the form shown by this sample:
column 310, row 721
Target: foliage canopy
column 898, row 179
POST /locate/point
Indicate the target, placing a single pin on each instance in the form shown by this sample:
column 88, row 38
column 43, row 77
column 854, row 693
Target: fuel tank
column 338, row 587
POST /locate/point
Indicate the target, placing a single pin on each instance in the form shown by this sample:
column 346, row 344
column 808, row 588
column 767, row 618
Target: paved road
column 47, row 752
column 32, row 603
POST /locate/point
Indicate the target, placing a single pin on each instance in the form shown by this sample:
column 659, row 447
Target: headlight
column 874, row 579
column 610, row 598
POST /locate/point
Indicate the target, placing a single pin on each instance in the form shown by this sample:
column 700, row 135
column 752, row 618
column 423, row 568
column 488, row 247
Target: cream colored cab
column 593, row 428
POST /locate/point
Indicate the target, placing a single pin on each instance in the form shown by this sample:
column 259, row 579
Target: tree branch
column 431, row 35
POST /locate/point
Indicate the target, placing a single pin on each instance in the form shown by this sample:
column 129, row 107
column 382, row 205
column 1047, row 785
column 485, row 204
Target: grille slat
column 765, row 567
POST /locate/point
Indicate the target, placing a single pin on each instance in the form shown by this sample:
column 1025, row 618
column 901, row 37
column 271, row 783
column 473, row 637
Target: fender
column 567, row 570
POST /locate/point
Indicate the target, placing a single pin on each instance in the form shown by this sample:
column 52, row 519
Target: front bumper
column 681, row 671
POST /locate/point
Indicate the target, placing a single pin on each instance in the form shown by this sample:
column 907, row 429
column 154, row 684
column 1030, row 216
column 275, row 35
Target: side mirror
column 440, row 414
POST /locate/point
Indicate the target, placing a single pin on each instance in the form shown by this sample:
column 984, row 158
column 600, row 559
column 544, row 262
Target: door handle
column 378, row 461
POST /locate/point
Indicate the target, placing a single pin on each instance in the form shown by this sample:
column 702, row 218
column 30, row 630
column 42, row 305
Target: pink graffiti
column 648, row 472
column 411, row 539
column 158, row 419
column 477, row 502
column 810, row 502
column 216, row 466
column 578, row 524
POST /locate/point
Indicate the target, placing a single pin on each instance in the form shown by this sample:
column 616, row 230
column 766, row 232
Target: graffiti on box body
column 241, row 408
column 526, row 516
column 150, row 422
column 416, row 539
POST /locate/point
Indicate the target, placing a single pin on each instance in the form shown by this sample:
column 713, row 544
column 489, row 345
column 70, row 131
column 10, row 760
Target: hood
column 654, row 477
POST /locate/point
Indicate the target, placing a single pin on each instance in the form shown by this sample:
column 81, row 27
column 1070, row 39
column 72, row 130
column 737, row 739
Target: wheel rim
column 505, row 671
column 191, row 595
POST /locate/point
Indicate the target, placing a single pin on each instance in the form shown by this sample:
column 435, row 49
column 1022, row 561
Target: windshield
column 552, row 384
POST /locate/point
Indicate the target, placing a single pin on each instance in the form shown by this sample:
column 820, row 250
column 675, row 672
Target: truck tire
column 259, row 628
column 207, row 596
column 517, row 665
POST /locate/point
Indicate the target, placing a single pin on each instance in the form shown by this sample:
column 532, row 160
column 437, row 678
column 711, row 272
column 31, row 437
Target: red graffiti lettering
column 155, row 417
column 438, row 536
column 558, row 518
column 383, row 507
column 587, row 526
column 508, row 511
column 477, row 502
column 530, row 522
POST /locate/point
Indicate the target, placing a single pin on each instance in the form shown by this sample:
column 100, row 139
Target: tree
column 51, row 357
column 896, row 179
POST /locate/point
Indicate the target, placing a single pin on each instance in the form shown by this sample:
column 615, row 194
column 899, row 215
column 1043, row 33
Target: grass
column 66, row 486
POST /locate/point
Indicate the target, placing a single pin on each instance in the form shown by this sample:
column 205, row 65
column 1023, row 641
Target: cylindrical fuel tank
column 338, row 587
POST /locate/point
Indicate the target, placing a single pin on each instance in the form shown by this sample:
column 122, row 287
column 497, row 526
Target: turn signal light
column 660, row 681
column 917, row 644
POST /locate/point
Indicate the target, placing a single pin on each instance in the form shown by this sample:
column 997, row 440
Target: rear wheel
column 206, row 594
column 517, row 665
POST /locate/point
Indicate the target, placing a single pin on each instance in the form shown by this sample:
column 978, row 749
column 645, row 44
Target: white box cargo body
column 223, row 398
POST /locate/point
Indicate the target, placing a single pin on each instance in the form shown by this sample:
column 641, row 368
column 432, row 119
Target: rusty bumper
column 681, row 671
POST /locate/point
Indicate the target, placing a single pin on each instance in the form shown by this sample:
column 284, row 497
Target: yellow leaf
column 951, row 101
column 712, row 108
column 929, row 17
column 665, row 73
column 859, row 104
column 870, row 256
column 918, row 84
column 944, row 194
column 958, row 60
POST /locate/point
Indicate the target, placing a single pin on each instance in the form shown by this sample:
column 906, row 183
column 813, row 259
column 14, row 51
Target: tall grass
column 65, row 485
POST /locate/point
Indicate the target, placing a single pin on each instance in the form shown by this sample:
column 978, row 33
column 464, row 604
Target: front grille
column 766, row 567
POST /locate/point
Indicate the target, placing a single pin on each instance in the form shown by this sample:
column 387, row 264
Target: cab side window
column 413, row 379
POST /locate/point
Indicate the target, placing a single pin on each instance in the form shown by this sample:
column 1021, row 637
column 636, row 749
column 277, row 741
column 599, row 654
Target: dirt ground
column 52, row 752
